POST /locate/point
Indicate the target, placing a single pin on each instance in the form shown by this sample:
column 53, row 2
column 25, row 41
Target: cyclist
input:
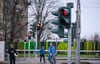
column 52, row 54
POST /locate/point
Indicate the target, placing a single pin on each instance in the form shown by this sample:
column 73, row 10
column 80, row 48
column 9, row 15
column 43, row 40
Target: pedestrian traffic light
column 65, row 17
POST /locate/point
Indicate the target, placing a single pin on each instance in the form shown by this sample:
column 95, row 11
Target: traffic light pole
column 36, row 45
column 69, row 46
column 24, row 50
column 29, row 49
column 78, row 31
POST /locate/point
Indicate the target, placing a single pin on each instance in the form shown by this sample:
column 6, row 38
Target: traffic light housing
column 65, row 17
column 39, row 26
column 63, row 20
column 60, row 29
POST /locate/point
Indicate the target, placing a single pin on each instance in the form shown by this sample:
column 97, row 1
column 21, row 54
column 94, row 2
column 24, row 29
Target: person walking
column 42, row 54
column 52, row 54
column 12, row 54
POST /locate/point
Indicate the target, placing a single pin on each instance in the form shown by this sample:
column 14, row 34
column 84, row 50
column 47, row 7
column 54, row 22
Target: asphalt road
column 60, row 60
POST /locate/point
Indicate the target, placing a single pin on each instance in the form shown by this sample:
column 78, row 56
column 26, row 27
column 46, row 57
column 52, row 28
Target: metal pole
column 36, row 45
column 69, row 46
column 29, row 50
column 78, row 31
column 24, row 49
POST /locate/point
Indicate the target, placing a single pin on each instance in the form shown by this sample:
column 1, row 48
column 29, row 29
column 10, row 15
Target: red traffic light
column 64, row 12
column 25, row 40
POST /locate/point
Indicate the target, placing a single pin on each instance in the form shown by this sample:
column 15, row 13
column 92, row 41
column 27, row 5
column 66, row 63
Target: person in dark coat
column 12, row 54
column 42, row 54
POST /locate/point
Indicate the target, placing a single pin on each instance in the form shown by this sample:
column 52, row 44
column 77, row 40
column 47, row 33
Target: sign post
column 2, row 48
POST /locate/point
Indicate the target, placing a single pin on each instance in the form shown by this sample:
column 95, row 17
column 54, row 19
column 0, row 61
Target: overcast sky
column 90, row 16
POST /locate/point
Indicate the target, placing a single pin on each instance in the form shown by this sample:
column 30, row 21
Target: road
column 60, row 60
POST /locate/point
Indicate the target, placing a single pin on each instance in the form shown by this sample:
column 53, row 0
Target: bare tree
column 1, row 20
column 41, row 10
column 94, row 37
column 15, row 19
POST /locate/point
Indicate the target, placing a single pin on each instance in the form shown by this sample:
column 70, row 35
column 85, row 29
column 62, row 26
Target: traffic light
column 24, row 40
column 63, row 19
column 65, row 16
column 39, row 26
column 60, row 29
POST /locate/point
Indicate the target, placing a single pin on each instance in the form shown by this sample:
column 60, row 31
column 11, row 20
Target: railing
column 62, row 50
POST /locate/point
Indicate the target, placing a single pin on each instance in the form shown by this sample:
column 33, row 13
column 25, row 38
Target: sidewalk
column 29, row 61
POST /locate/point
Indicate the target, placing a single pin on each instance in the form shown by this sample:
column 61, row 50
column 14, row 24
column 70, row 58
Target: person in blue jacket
column 52, row 53
column 42, row 54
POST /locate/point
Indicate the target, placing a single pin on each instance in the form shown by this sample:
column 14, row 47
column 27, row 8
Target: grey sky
column 90, row 16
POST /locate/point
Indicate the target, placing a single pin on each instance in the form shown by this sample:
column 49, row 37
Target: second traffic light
column 39, row 26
